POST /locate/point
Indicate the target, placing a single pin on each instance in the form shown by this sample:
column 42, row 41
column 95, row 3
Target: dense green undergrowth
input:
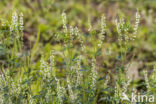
column 70, row 73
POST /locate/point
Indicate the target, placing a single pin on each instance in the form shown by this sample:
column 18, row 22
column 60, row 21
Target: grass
column 69, row 63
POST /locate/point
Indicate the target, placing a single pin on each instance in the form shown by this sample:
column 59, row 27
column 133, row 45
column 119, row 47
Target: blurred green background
column 44, row 17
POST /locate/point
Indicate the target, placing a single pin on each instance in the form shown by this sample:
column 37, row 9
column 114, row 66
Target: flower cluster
column 136, row 24
column 14, row 22
column 60, row 92
column 21, row 24
column 78, row 72
column 93, row 73
column 17, row 23
column 80, row 39
column 45, row 68
column 72, row 95
column 64, row 20
column 52, row 64
column 103, row 30
column 146, row 79
column 118, row 28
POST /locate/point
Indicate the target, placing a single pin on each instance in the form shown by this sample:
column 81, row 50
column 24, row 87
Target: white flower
column 45, row 69
column 60, row 92
column 103, row 24
column 52, row 63
column 136, row 24
column 71, row 93
column 21, row 22
column 64, row 21
column 14, row 22
column 146, row 79
column 79, row 73
column 80, row 39
column 103, row 31
column 93, row 73
column 118, row 27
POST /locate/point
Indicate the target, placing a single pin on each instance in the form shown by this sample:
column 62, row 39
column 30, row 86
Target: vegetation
column 67, row 52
